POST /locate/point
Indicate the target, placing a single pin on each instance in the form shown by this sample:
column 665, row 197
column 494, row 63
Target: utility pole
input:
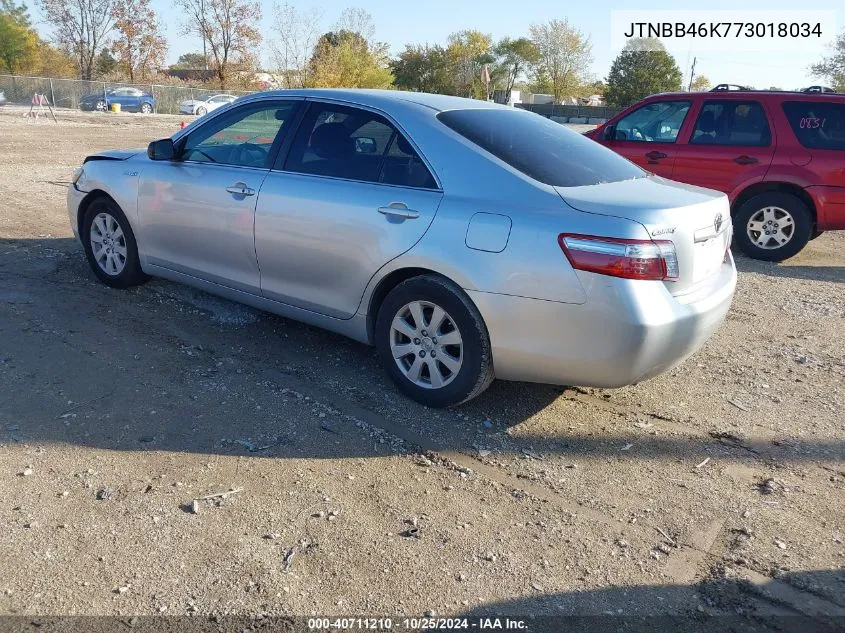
column 691, row 74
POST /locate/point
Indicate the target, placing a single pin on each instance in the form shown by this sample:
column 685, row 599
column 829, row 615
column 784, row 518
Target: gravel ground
column 717, row 488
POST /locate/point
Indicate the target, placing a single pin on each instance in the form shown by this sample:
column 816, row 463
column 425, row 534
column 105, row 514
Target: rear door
column 730, row 146
column 352, row 194
column 647, row 135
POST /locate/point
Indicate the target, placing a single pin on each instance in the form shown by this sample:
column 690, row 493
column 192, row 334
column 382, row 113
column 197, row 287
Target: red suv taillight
column 629, row 259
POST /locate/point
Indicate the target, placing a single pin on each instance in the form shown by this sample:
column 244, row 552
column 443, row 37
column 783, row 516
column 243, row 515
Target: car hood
column 696, row 220
column 114, row 154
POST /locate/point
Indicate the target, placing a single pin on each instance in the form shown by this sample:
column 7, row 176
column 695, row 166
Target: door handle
column 745, row 160
column 399, row 210
column 240, row 189
column 655, row 155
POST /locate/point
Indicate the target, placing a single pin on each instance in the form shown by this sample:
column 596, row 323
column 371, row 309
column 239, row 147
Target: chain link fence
column 69, row 93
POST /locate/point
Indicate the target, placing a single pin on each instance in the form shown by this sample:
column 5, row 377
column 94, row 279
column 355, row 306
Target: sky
column 431, row 21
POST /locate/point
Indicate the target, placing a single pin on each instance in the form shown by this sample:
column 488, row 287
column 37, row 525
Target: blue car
column 130, row 99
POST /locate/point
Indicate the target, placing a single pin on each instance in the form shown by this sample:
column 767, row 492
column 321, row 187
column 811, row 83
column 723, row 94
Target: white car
column 200, row 107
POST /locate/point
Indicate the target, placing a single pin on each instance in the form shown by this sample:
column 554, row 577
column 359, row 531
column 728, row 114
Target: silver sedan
column 463, row 239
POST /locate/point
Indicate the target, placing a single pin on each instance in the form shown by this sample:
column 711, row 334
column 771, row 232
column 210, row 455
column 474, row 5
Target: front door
column 197, row 212
column 730, row 146
column 352, row 195
column 647, row 135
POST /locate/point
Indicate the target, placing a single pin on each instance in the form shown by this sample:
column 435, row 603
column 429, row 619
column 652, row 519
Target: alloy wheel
column 108, row 244
column 770, row 228
column 426, row 344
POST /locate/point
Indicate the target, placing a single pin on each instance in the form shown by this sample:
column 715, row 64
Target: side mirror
column 609, row 133
column 161, row 150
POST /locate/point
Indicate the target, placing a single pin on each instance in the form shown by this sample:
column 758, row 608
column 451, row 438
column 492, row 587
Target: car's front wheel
column 433, row 343
column 773, row 226
column 110, row 245
column 101, row 106
column 146, row 108
column 201, row 111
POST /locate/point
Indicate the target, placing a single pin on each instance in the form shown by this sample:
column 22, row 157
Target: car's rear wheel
column 773, row 226
column 201, row 111
column 101, row 106
column 146, row 108
column 433, row 342
column 110, row 245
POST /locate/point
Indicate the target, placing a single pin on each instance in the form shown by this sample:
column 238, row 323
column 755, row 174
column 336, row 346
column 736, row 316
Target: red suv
column 779, row 156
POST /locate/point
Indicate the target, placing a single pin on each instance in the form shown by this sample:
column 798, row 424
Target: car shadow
column 718, row 605
column 214, row 374
column 835, row 274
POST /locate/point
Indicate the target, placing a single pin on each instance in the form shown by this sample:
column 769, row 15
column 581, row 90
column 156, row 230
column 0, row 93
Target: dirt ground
column 718, row 488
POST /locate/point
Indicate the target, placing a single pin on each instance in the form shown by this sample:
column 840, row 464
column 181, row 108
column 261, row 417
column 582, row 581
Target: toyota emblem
column 717, row 223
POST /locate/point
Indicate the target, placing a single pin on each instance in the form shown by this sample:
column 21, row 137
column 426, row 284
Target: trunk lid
column 696, row 220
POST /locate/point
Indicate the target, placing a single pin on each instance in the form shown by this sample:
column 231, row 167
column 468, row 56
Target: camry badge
column 717, row 223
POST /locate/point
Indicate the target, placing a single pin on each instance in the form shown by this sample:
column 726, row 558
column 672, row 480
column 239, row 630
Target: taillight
column 629, row 259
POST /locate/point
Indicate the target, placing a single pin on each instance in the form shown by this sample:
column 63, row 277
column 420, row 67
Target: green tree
column 832, row 68
column 423, row 68
column 105, row 64
column 345, row 59
column 642, row 68
column 565, row 55
column 467, row 52
column 190, row 61
column 18, row 41
column 700, row 83
column 514, row 58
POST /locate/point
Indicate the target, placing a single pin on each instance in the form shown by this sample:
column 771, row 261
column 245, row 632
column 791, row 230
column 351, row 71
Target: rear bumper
column 830, row 207
column 627, row 331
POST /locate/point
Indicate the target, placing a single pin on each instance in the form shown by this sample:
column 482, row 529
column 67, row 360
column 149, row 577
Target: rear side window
column 732, row 123
column 540, row 148
column 817, row 125
column 355, row 144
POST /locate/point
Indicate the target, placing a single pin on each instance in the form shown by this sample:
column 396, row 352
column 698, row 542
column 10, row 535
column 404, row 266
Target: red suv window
column 817, row 125
column 732, row 122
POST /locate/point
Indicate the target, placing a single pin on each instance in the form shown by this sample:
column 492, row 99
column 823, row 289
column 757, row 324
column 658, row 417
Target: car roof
column 757, row 94
column 383, row 98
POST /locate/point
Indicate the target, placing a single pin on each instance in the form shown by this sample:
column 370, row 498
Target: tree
column 298, row 32
column 349, row 56
column 832, row 68
column 641, row 69
column 467, row 52
column 514, row 58
column 81, row 27
column 423, row 68
column 18, row 41
column 229, row 27
column 565, row 55
column 190, row 61
column 700, row 83
column 139, row 44
column 105, row 64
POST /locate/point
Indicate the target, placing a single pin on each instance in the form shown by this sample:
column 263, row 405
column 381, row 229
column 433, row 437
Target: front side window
column 242, row 137
column 732, row 123
column 355, row 144
column 657, row 122
column 540, row 148
column 817, row 125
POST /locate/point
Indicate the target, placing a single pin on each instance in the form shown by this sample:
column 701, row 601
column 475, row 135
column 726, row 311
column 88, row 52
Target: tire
column 470, row 363
column 120, row 266
column 201, row 111
column 146, row 108
column 101, row 106
column 785, row 215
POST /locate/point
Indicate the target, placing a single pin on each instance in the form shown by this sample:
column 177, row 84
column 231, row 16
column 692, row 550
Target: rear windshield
column 817, row 125
column 540, row 148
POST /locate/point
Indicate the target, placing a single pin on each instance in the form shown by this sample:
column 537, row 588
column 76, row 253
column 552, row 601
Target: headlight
column 77, row 174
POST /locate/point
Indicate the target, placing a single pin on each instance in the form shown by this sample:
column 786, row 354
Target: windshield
column 540, row 148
